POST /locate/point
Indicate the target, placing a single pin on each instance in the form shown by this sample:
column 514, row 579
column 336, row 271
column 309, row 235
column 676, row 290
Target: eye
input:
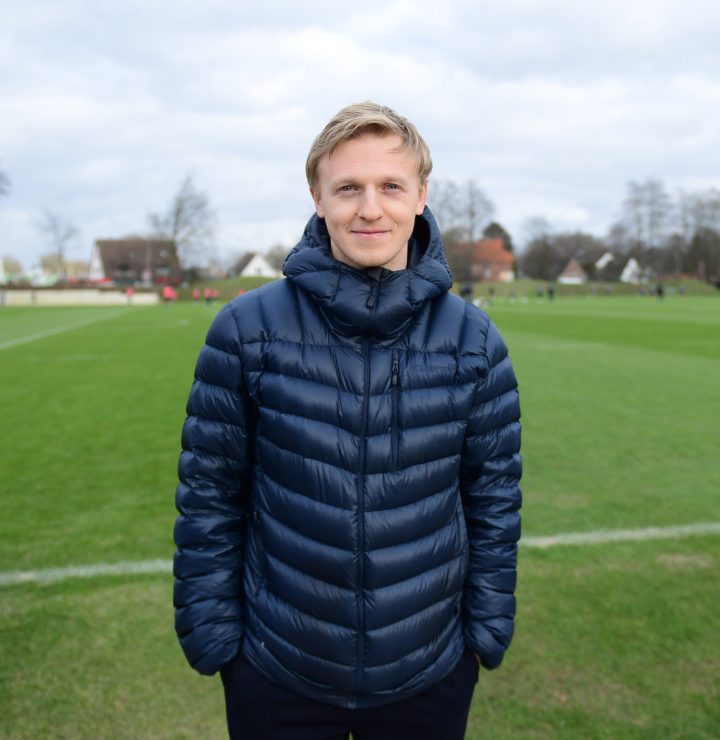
column 346, row 188
column 392, row 186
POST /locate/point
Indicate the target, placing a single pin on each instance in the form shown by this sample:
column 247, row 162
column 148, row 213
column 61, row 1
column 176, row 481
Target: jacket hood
column 372, row 302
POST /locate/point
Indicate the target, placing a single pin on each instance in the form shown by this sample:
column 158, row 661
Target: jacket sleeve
column 490, row 475
column 212, row 500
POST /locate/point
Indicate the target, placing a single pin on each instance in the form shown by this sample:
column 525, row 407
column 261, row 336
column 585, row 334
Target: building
column 573, row 274
column 491, row 261
column 632, row 272
column 252, row 264
column 604, row 261
column 135, row 261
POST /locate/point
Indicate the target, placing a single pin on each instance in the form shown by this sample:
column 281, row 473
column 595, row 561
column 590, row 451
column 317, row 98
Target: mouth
column 369, row 234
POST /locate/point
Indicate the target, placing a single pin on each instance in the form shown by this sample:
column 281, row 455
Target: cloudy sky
column 550, row 106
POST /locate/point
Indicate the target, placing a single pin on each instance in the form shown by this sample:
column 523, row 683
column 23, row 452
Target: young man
column 349, row 495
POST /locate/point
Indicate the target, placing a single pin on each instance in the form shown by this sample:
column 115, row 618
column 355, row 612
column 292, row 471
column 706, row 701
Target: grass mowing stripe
column 57, row 330
column 51, row 575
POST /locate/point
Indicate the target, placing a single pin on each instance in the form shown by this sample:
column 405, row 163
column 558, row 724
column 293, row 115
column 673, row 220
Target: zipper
column 361, row 518
column 395, row 421
column 374, row 288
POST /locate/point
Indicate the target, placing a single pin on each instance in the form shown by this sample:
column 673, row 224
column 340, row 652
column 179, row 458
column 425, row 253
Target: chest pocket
column 429, row 370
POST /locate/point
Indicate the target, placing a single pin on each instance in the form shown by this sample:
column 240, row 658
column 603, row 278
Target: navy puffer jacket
column 349, row 480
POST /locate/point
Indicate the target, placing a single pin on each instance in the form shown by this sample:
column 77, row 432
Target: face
column 369, row 192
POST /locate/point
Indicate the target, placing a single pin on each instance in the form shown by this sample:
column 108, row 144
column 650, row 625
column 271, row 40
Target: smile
column 370, row 234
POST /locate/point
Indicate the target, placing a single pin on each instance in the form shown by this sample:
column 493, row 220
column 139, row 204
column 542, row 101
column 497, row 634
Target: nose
column 369, row 208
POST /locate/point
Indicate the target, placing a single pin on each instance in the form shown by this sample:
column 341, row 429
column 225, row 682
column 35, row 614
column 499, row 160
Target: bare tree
column 546, row 255
column 59, row 233
column 534, row 228
column 697, row 211
column 478, row 210
column 276, row 256
column 541, row 260
column 189, row 222
column 4, row 183
column 444, row 199
column 646, row 212
column 462, row 211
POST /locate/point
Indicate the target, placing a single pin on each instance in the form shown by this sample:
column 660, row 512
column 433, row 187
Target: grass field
column 620, row 399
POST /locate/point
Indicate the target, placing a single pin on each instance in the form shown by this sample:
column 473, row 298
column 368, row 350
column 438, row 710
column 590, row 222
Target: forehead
column 369, row 155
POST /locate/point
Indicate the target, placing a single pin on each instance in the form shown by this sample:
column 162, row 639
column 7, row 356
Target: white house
column 252, row 264
column 632, row 272
column 604, row 261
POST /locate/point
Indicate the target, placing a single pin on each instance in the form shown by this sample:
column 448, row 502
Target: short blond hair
column 367, row 118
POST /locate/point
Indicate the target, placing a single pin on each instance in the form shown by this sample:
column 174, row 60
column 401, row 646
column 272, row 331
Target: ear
column 422, row 198
column 316, row 199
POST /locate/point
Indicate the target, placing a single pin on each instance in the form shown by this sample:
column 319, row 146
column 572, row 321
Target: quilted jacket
column 348, row 490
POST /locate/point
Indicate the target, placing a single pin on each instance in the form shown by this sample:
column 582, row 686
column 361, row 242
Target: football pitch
column 618, row 633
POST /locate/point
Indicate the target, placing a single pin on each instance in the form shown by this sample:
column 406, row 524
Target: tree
column 189, row 222
column 50, row 263
column 646, row 212
column 459, row 254
column 60, row 233
column 618, row 238
column 445, row 204
column 703, row 257
column 4, row 184
column 478, row 209
column 11, row 265
column 462, row 210
column 541, row 260
column 546, row 256
column 276, row 256
column 495, row 231
column 534, row 228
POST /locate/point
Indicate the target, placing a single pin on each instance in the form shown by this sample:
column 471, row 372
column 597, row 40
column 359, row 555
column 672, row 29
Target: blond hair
column 367, row 118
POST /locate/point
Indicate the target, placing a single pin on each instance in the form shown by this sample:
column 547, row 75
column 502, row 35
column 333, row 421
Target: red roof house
column 492, row 262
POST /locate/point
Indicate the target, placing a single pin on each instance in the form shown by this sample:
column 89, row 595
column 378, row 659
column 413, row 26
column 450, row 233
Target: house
column 491, row 261
column 573, row 274
column 135, row 260
column 604, row 261
column 252, row 264
column 632, row 272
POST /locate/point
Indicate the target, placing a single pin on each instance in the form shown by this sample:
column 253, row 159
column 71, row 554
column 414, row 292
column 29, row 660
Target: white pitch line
column 622, row 535
column 51, row 575
column 164, row 567
column 57, row 330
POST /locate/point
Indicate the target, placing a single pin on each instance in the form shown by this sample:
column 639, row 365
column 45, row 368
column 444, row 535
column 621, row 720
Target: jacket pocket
column 255, row 553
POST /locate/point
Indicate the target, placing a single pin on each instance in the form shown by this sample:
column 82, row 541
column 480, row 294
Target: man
column 349, row 493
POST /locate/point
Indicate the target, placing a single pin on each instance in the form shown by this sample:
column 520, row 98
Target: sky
column 551, row 107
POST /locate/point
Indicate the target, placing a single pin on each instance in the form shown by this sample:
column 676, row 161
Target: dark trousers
column 260, row 710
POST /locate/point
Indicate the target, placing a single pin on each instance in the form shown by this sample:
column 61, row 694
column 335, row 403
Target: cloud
column 550, row 107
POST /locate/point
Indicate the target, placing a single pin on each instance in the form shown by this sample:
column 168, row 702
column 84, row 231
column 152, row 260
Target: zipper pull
column 375, row 275
column 373, row 293
column 395, row 369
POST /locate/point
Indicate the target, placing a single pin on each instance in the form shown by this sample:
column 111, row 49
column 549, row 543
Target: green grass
column 620, row 399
